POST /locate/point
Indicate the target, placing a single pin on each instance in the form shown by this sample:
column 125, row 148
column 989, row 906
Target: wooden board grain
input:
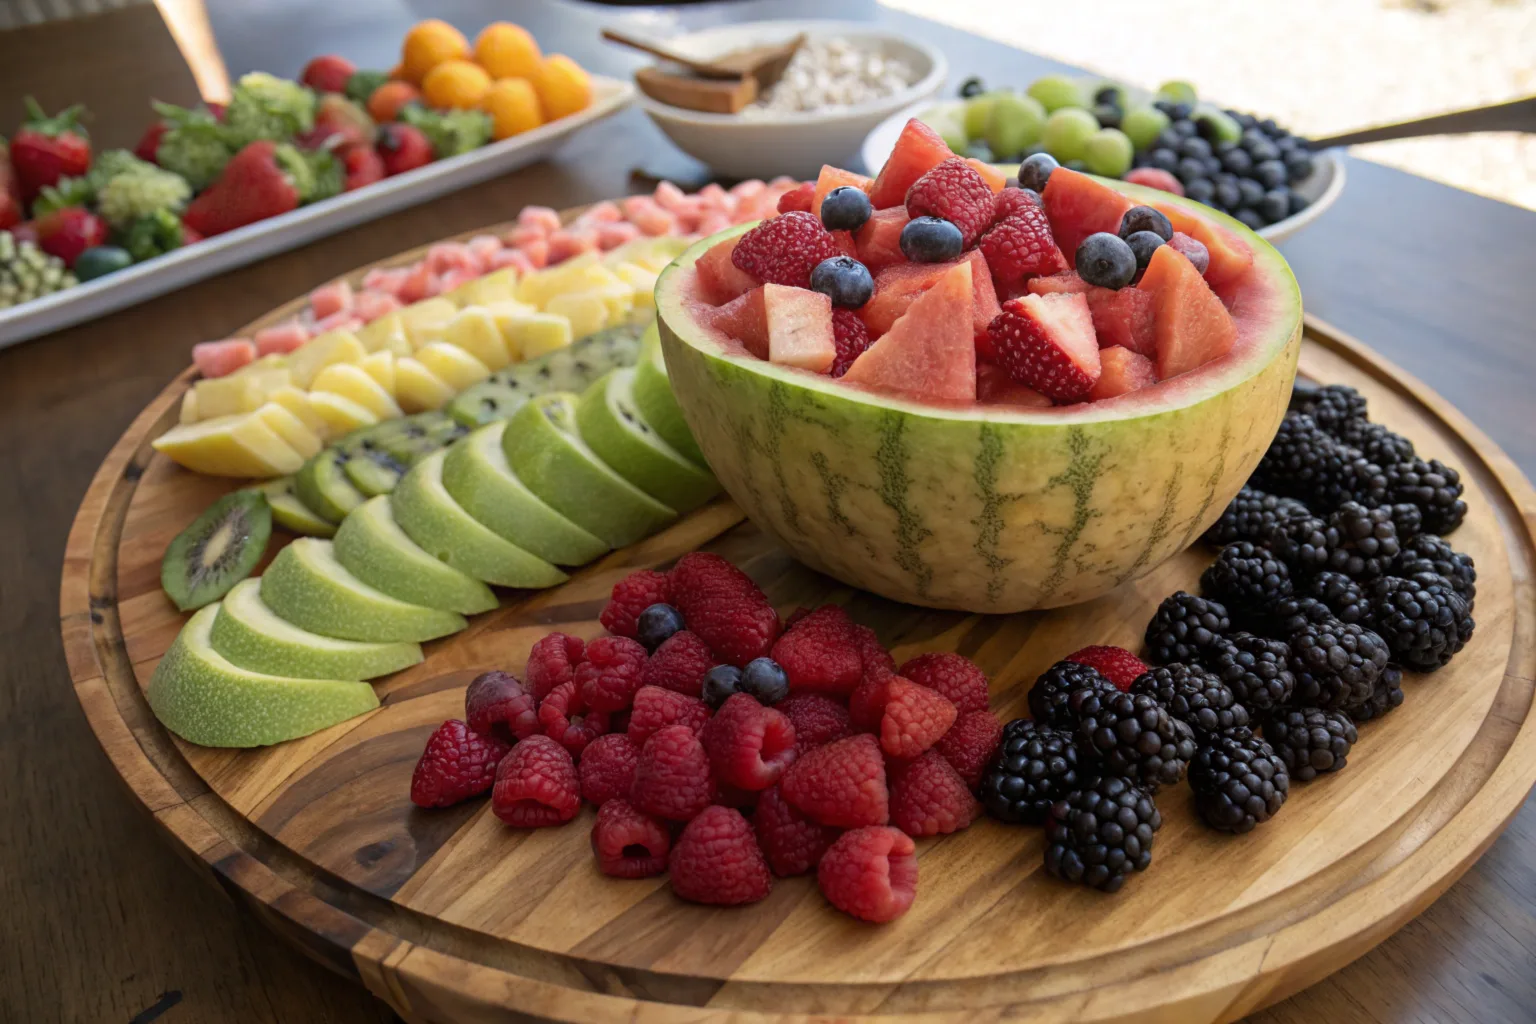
column 449, row 916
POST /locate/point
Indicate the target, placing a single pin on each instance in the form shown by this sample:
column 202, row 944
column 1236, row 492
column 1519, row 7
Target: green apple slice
column 657, row 404
column 204, row 698
column 322, row 485
column 292, row 514
column 476, row 474
column 307, row 586
column 612, row 426
column 545, row 451
column 372, row 547
column 430, row 517
column 251, row 636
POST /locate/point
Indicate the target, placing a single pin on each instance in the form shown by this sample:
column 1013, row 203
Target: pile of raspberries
column 699, row 770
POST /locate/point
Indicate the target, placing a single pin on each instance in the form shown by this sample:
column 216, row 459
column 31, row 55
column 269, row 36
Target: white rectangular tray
column 254, row 241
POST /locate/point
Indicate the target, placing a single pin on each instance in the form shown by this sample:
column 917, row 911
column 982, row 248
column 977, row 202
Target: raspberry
column 867, row 703
column 929, row 798
column 800, row 612
column 842, row 784
column 723, row 606
column 792, row 842
column 672, row 780
column 568, row 722
column 717, row 860
column 496, row 704
column 851, row 335
column 552, row 661
column 970, row 744
column 632, row 595
column 785, row 250
column 955, row 191
column 870, row 873
column 798, row 198
column 735, row 796
column 749, row 746
column 819, row 655
column 877, row 660
column 611, row 674
column 607, row 768
column 953, row 675
column 458, row 763
column 656, row 708
column 817, row 720
column 1020, row 244
column 679, row 664
column 629, row 844
column 914, row 719
column 536, row 785
column 1116, row 664
column 1014, row 200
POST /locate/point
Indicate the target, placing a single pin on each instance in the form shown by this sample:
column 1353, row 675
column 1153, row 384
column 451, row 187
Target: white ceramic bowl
column 794, row 144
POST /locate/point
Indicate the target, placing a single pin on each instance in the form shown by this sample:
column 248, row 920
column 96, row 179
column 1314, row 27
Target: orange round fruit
column 455, row 85
column 384, row 103
column 513, row 106
column 427, row 45
column 563, row 86
column 506, row 50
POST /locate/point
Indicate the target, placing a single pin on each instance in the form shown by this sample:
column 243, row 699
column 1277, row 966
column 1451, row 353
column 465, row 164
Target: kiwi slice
column 419, row 436
column 372, row 470
column 292, row 514
column 222, row 547
column 323, row 486
column 487, row 402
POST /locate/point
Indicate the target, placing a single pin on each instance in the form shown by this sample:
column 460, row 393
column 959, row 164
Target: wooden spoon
column 766, row 64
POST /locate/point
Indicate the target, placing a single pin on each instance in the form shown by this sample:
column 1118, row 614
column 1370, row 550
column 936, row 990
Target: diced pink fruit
column 454, row 278
column 716, row 198
column 799, row 328
column 1155, row 177
column 281, row 339
column 749, row 188
column 1123, row 318
column 995, row 387
column 654, row 222
column 217, row 358
column 1121, row 370
column 564, row 244
column 783, row 183
column 668, row 196
column 525, row 233
column 1193, row 327
column 835, row 177
column 745, row 318
column 515, row 258
column 343, row 320
column 371, row 305
column 540, row 216
column 386, row 279
column 879, row 240
column 1066, row 281
column 330, row 298
column 419, row 283
column 535, row 252
column 611, row 236
column 484, row 247
column 605, row 212
column 930, row 351
column 720, row 280
column 717, row 221
column 446, row 256
column 634, row 204
column 845, row 242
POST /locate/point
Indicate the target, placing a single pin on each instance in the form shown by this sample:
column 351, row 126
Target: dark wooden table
column 101, row 920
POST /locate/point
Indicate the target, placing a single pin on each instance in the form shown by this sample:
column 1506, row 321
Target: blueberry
column 1237, row 161
column 846, row 280
column 1200, row 190
column 1270, row 173
column 1298, row 202
column 1268, row 127
column 1197, row 254
column 1034, row 150
column 1169, row 139
column 1166, row 106
column 1146, row 218
column 1108, row 115
column 972, row 86
column 1263, row 150
column 1298, row 165
column 719, row 683
column 1010, row 183
column 1224, row 176
column 1250, row 219
column 1213, row 166
column 930, row 240
column 766, row 680
column 1182, row 111
column 1227, row 195
column 1243, row 120
column 1143, row 244
column 1195, row 146
column 1252, row 137
column 1189, row 169
column 1109, row 94
column 1288, row 144
column 1106, row 260
column 1276, row 205
column 1036, row 170
column 1185, row 128
column 845, row 208
column 656, row 623
column 1224, row 147
column 1164, row 159
column 1080, row 166
column 1249, row 192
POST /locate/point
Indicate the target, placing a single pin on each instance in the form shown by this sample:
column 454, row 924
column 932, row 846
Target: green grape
column 1014, row 124
column 1223, row 128
column 1067, row 132
column 1143, row 125
column 1108, row 152
column 1057, row 91
column 1176, row 92
column 978, row 109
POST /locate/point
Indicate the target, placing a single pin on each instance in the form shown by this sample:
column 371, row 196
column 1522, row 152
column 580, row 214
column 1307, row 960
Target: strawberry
column 253, row 186
column 1046, row 342
column 339, row 124
column 1020, row 243
column 404, row 148
column 46, row 149
column 149, row 142
column 11, row 210
column 362, row 166
column 69, row 232
column 328, row 73
column 955, row 191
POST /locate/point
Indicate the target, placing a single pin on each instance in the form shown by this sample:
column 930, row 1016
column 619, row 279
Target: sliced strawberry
column 1046, row 342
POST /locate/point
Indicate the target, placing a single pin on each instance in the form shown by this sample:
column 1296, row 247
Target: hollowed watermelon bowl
column 986, row 508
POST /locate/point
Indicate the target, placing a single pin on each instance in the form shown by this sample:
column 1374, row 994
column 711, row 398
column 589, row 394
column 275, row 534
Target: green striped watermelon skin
column 981, row 509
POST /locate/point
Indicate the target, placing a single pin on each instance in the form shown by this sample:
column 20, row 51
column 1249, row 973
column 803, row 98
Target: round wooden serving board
column 450, row 916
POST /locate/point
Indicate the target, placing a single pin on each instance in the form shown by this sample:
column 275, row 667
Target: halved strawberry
column 1046, row 342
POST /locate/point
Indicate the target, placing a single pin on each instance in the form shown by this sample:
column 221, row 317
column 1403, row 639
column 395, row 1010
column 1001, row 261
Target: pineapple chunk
column 474, row 330
column 586, row 311
column 642, row 280
column 452, row 365
column 538, row 287
column 297, row 402
column 321, row 351
column 381, row 367
column 291, row 429
column 341, row 414
column 493, row 287
column 189, row 406
column 504, row 313
column 350, row 381
column 424, row 321
column 226, row 396
column 386, row 334
column 651, row 253
column 417, row 388
column 539, row 334
column 243, row 445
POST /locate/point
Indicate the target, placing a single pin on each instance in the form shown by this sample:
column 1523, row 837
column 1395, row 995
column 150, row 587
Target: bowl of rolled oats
column 845, row 78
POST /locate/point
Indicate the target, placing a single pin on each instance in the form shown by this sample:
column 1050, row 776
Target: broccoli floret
column 330, row 177
column 264, row 106
column 140, row 191
column 195, row 146
column 153, row 235
column 451, row 132
column 362, row 84
column 65, row 193
column 109, row 164
column 315, row 174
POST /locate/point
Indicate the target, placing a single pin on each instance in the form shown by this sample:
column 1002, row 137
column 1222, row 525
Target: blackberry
column 1407, row 520
column 1434, row 487
column 1193, row 695
column 1185, row 625
column 1422, row 619
column 1248, row 579
column 1296, row 613
column 1428, row 553
column 1256, row 669
column 1306, row 462
column 1132, row 735
column 1336, row 664
column 1349, row 476
column 1101, row 833
column 1252, row 516
column 1334, row 408
column 1303, row 393
column 1342, row 595
column 1310, row 741
column 1048, row 698
column 1238, row 781
column 1386, row 695
column 1378, row 444
column 1367, row 541
column 1035, row 766
column 1305, row 544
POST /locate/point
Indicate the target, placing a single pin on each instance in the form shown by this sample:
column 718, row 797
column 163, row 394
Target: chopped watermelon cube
column 217, row 358
column 720, row 280
column 835, row 177
column 1230, row 255
column 1124, row 318
column 844, row 241
column 929, row 353
column 745, row 318
column 897, row 286
column 1121, row 370
column 918, row 150
column 1192, row 326
column 995, row 387
column 1066, row 281
column 1077, row 206
column 799, row 327
column 879, row 240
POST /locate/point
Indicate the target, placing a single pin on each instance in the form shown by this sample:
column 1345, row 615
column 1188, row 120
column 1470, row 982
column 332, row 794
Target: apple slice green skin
column 430, row 517
column 654, row 399
column 308, row 587
column 476, row 474
column 204, row 698
column 544, row 450
column 612, row 426
column 372, row 546
column 251, row 636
